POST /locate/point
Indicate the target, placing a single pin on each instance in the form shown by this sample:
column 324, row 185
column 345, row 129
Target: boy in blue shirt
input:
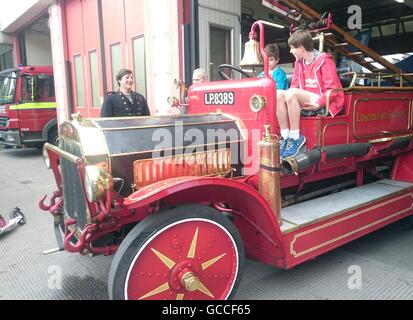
column 278, row 74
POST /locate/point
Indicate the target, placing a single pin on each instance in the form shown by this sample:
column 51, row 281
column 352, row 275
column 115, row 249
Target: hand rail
column 328, row 95
column 377, row 77
column 62, row 153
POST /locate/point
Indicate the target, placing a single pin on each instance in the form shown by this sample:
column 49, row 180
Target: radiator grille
column 210, row 163
column 75, row 202
column 3, row 121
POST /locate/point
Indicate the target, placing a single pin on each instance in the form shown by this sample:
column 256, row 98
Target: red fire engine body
column 27, row 106
column 186, row 220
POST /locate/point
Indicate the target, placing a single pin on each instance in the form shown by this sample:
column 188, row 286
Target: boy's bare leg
column 282, row 113
column 297, row 99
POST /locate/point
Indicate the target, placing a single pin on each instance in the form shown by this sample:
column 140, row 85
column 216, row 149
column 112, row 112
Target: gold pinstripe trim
column 299, row 254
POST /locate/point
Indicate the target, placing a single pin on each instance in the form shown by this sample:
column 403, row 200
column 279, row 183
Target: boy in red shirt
column 314, row 74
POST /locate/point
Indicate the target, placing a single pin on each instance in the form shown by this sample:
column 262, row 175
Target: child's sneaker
column 293, row 147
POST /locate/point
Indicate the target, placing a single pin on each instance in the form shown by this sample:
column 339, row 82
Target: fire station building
column 88, row 41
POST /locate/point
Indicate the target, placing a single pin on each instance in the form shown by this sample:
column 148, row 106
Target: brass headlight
column 46, row 158
column 257, row 103
column 97, row 181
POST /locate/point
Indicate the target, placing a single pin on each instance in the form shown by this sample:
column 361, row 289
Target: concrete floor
column 384, row 258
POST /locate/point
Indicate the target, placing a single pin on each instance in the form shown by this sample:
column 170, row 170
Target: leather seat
column 313, row 113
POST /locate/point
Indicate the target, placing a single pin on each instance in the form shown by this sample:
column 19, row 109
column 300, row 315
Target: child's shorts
column 314, row 97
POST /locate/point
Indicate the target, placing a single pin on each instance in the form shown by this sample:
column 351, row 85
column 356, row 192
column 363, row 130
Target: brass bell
column 252, row 55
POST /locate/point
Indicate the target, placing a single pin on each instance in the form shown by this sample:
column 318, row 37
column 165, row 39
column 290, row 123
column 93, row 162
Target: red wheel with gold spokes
column 187, row 253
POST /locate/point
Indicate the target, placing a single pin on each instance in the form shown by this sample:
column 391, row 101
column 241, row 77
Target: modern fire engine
column 27, row 107
column 182, row 200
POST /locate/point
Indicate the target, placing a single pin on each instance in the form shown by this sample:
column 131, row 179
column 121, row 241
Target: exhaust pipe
column 306, row 159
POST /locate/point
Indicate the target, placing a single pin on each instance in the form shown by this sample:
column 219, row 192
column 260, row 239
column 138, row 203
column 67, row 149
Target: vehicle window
column 116, row 60
column 139, row 65
column 94, row 77
column 7, row 87
column 78, row 77
column 25, row 95
column 45, row 89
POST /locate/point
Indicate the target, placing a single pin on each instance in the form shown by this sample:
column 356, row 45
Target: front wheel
column 52, row 136
column 186, row 253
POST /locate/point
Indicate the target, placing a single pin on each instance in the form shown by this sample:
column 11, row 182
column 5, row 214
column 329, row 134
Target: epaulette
column 110, row 93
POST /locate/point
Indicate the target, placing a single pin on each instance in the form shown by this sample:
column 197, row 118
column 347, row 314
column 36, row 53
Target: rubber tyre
column 154, row 228
column 52, row 136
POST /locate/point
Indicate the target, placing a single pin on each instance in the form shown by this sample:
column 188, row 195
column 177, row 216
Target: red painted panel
column 83, row 37
column 35, row 119
column 233, row 97
column 91, row 38
column 134, row 27
column 74, row 41
column 380, row 113
column 122, row 22
column 134, row 18
column 311, row 128
column 403, row 168
column 114, row 28
column 335, row 132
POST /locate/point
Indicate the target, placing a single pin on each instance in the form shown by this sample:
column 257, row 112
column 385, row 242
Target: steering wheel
column 224, row 76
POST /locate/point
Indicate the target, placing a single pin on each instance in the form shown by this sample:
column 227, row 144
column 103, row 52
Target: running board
column 319, row 209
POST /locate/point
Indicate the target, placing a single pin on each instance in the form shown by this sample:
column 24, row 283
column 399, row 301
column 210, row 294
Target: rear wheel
column 190, row 252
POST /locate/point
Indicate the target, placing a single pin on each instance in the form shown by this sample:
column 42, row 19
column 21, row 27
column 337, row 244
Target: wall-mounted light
column 400, row 1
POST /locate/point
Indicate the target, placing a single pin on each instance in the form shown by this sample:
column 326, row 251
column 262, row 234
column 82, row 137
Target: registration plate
column 219, row 98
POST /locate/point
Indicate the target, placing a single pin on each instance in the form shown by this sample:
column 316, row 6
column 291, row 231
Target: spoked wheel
column 186, row 253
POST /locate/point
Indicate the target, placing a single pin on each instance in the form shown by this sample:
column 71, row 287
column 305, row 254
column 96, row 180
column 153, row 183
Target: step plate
column 325, row 207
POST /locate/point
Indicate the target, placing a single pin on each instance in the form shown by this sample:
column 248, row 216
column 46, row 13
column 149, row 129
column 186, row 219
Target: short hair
column 272, row 50
column 301, row 38
column 201, row 72
column 121, row 73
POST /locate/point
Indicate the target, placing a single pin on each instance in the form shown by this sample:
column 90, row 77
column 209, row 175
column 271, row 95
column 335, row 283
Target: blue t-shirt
column 280, row 78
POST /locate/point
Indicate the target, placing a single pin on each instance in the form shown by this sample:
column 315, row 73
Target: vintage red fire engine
column 182, row 200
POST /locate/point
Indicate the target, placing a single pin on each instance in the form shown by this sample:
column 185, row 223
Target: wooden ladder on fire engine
column 347, row 40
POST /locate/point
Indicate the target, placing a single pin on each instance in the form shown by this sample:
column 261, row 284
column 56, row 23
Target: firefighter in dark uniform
column 125, row 102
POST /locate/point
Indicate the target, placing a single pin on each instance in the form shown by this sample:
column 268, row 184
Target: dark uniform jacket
column 116, row 104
